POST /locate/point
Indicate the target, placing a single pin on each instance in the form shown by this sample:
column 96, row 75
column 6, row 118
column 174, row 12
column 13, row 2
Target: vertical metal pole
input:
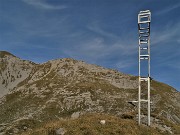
column 149, row 109
column 139, row 92
column 149, row 75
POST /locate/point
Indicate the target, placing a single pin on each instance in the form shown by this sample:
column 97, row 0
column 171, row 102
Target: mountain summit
column 34, row 94
column 5, row 53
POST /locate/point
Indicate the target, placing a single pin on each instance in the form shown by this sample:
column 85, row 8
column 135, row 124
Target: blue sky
column 102, row 32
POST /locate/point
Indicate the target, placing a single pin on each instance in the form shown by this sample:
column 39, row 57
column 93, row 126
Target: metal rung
column 144, row 58
column 144, row 48
column 144, row 36
column 143, row 39
column 144, row 22
column 134, row 101
column 145, row 12
column 144, row 15
column 144, row 28
column 144, row 32
column 144, row 100
column 143, row 42
column 144, row 55
column 144, row 79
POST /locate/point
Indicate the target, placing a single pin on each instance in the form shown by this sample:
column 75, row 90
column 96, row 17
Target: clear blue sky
column 102, row 32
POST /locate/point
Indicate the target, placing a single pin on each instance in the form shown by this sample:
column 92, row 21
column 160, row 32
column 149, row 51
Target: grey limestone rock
column 60, row 131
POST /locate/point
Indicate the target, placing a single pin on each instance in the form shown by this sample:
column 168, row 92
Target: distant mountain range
column 34, row 94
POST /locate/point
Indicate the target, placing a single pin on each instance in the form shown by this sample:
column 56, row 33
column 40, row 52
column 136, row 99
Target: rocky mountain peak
column 5, row 54
column 13, row 70
column 57, row 89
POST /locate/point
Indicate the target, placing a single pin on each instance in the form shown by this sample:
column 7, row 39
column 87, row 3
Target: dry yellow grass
column 89, row 124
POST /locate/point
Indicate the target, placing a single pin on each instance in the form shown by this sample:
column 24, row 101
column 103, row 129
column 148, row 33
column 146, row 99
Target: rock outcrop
column 36, row 93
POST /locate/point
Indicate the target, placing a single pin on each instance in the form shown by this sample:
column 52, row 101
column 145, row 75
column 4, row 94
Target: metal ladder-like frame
column 144, row 19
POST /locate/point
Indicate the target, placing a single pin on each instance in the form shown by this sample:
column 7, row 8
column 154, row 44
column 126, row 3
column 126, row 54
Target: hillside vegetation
column 35, row 95
column 89, row 124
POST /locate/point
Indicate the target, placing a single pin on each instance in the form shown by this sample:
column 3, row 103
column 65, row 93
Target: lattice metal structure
column 144, row 19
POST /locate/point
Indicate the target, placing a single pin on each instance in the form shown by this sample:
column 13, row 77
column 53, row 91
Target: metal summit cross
column 144, row 19
column 144, row 102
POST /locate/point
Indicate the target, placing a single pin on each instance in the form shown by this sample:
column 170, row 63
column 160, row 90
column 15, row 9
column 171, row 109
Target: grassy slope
column 50, row 112
column 89, row 124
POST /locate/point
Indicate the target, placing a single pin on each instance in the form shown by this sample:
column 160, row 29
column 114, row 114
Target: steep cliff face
column 36, row 93
column 12, row 71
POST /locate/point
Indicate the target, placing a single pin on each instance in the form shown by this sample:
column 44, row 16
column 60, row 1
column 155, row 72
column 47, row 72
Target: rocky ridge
column 12, row 73
column 32, row 94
